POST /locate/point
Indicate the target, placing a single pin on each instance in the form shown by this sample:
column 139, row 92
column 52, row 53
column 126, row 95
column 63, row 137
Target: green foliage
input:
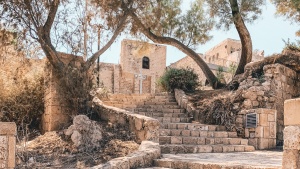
column 290, row 9
column 23, row 103
column 232, row 69
column 294, row 46
column 220, row 74
column 221, row 10
column 185, row 79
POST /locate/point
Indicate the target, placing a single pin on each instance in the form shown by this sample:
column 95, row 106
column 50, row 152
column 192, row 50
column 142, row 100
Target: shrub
column 23, row 103
column 185, row 79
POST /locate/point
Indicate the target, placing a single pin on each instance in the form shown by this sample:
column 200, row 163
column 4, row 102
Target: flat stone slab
column 256, row 159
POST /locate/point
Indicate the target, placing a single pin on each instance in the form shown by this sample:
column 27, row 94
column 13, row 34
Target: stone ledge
column 183, row 102
column 8, row 128
column 143, row 157
column 145, row 128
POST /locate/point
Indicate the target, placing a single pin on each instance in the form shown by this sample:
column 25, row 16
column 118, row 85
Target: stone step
column 161, row 103
column 189, row 148
column 173, row 119
column 158, row 106
column 160, row 114
column 201, row 140
column 163, row 110
column 237, row 160
column 154, row 168
column 192, row 126
column 196, row 133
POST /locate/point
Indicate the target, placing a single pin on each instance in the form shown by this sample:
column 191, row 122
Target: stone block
column 175, row 132
column 195, row 133
column 290, row 159
column 266, row 132
column 244, row 141
column 228, row 148
column 292, row 137
column 186, row 133
column 8, row 128
column 291, row 112
column 263, row 143
column 235, row 141
column 201, row 141
column 263, row 119
column 239, row 148
column 253, row 142
column 189, row 140
column 217, row 148
column 271, row 118
column 205, row 149
column 138, row 123
column 249, row 148
column 176, row 140
column 209, row 141
column 221, row 134
column 259, row 132
column 203, row 133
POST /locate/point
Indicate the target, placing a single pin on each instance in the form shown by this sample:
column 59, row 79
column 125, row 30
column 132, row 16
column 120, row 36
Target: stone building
column 225, row 55
column 140, row 66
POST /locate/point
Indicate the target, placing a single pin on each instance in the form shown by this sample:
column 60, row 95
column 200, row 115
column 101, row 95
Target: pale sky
column 267, row 33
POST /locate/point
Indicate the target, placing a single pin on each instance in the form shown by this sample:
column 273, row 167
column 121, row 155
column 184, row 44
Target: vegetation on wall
column 185, row 79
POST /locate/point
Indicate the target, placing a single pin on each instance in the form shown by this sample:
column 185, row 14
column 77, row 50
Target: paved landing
column 256, row 159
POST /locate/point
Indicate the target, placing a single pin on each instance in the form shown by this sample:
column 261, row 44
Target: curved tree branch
column 171, row 41
column 244, row 35
column 118, row 30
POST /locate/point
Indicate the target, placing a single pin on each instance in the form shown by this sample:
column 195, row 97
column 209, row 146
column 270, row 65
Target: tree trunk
column 212, row 79
column 244, row 35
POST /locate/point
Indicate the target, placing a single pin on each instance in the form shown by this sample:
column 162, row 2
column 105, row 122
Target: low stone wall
column 183, row 102
column 147, row 151
column 291, row 148
column 263, row 136
column 8, row 133
column 144, row 128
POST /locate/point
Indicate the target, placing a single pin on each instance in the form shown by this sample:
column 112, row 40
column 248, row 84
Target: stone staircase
column 177, row 133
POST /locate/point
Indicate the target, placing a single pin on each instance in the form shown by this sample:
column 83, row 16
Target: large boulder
column 84, row 132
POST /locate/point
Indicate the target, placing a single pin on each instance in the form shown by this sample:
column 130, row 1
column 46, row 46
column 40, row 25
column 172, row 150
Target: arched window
column 146, row 63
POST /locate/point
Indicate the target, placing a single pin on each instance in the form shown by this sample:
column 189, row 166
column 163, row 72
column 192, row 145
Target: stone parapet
column 8, row 133
column 144, row 128
column 183, row 102
column 143, row 157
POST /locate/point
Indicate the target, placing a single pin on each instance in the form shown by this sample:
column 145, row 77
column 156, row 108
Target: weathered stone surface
column 84, row 132
column 291, row 112
column 290, row 159
column 8, row 128
column 292, row 137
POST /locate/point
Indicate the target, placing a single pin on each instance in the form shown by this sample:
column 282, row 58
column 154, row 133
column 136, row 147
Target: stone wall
column 57, row 114
column 263, row 136
column 147, row 152
column 8, row 133
column 269, row 89
column 143, row 127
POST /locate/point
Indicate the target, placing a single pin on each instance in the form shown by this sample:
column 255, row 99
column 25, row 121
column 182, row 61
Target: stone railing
column 183, row 102
column 146, row 132
column 147, row 151
column 144, row 128
column 291, row 133
column 8, row 133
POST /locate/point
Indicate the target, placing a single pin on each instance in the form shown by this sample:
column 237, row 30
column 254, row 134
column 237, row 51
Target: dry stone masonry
column 8, row 133
column 268, row 90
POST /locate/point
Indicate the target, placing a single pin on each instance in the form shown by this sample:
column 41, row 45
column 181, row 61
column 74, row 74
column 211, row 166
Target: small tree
column 185, row 79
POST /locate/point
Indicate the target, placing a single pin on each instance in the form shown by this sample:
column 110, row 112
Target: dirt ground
column 55, row 150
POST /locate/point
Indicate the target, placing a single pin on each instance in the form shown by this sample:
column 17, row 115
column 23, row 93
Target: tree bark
column 244, row 35
column 212, row 79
